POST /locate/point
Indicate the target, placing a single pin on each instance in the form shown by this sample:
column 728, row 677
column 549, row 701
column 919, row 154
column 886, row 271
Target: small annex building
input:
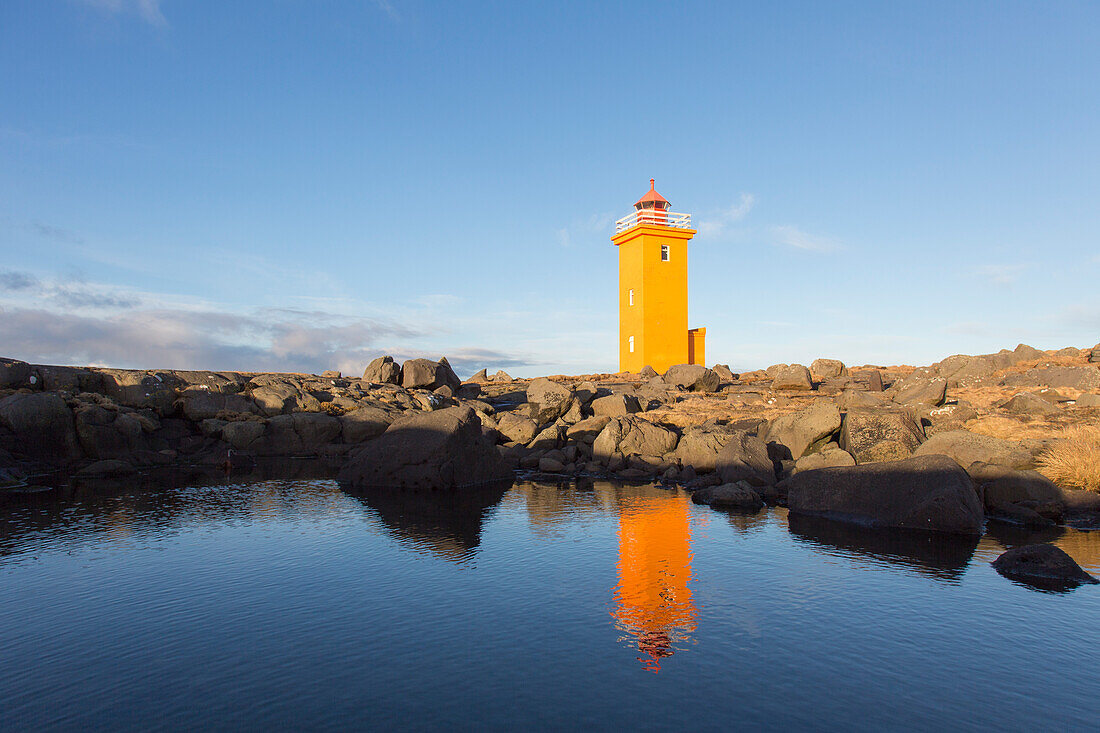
column 653, row 287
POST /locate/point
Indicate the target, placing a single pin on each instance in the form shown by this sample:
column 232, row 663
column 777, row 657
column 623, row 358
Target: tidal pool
column 294, row 604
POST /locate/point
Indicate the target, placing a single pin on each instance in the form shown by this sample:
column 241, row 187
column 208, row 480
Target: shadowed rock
column 435, row 450
column 738, row 497
column 1044, row 566
column 929, row 493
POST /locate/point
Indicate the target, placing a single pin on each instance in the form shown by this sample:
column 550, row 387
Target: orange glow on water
column 653, row 602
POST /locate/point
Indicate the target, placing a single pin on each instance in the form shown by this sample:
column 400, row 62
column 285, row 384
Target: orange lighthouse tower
column 653, row 287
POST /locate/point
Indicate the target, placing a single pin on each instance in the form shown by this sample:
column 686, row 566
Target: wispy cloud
column 791, row 236
column 1002, row 274
column 717, row 224
column 70, row 321
column 592, row 225
column 387, row 7
column 147, row 10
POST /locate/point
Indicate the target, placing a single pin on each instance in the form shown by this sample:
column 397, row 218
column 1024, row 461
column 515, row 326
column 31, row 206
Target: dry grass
column 1074, row 461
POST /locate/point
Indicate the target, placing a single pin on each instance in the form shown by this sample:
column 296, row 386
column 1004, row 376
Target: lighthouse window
column 630, row 344
column 664, row 253
column 632, row 296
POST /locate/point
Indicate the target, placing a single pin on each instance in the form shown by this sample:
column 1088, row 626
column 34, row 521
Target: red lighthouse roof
column 652, row 199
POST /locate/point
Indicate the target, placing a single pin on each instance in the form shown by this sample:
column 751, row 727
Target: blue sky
column 304, row 185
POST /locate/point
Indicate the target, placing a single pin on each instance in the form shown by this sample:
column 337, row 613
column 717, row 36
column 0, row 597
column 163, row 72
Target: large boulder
column 1084, row 378
column 692, row 377
column 700, row 445
column 615, row 405
column 14, row 373
column 967, row 448
column 443, row 449
column 725, row 373
column 428, row 374
column 829, row 457
column 548, row 400
column 745, row 458
column 868, row 380
column 517, row 428
column 155, row 390
column 929, row 392
column 828, row 368
column 880, row 434
column 43, row 426
column 1094, row 355
column 588, row 429
column 364, row 424
column 243, row 434
column 107, row 433
column 738, row 497
column 803, row 431
column 794, row 377
column 633, row 436
column 383, row 370
column 999, row 485
column 1026, row 403
column 277, row 395
column 1043, row 565
column 198, row 406
column 316, row 430
column 928, row 493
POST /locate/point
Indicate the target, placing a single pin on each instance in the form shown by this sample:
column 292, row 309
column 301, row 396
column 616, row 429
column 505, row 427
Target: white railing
column 653, row 217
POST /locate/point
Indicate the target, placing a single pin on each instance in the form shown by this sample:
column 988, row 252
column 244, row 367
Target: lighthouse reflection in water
column 653, row 600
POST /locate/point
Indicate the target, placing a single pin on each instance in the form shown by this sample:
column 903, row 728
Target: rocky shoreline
column 882, row 446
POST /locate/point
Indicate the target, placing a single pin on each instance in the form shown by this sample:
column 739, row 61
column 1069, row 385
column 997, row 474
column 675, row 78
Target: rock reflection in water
column 444, row 523
column 653, row 603
column 937, row 555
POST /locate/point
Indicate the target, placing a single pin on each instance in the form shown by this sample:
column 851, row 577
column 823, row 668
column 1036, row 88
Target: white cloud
column 1002, row 274
column 149, row 10
column 713, row 226
column 791, row 236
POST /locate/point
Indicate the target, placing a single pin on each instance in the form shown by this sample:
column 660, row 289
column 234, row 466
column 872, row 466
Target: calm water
column 294, row 604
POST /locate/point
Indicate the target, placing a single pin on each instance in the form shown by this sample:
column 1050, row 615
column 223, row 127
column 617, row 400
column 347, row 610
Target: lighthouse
column 653, row 287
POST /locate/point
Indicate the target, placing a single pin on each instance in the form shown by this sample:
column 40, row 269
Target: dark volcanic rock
column 802, row 431
column 880, row 434
column 1026, row 403
column 738, row 497
column 967, row 448
column 1083, row 378
column 929, row 392
column 549, row 400
column 828, row 368
column 14, row 373
column 428, row 374
column 794, row 377
column 692, row 377
column 1042, row 565
column 436, row 450
column 43, row 425
column 745, row 458
column 929, row 493
column 383, row 370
